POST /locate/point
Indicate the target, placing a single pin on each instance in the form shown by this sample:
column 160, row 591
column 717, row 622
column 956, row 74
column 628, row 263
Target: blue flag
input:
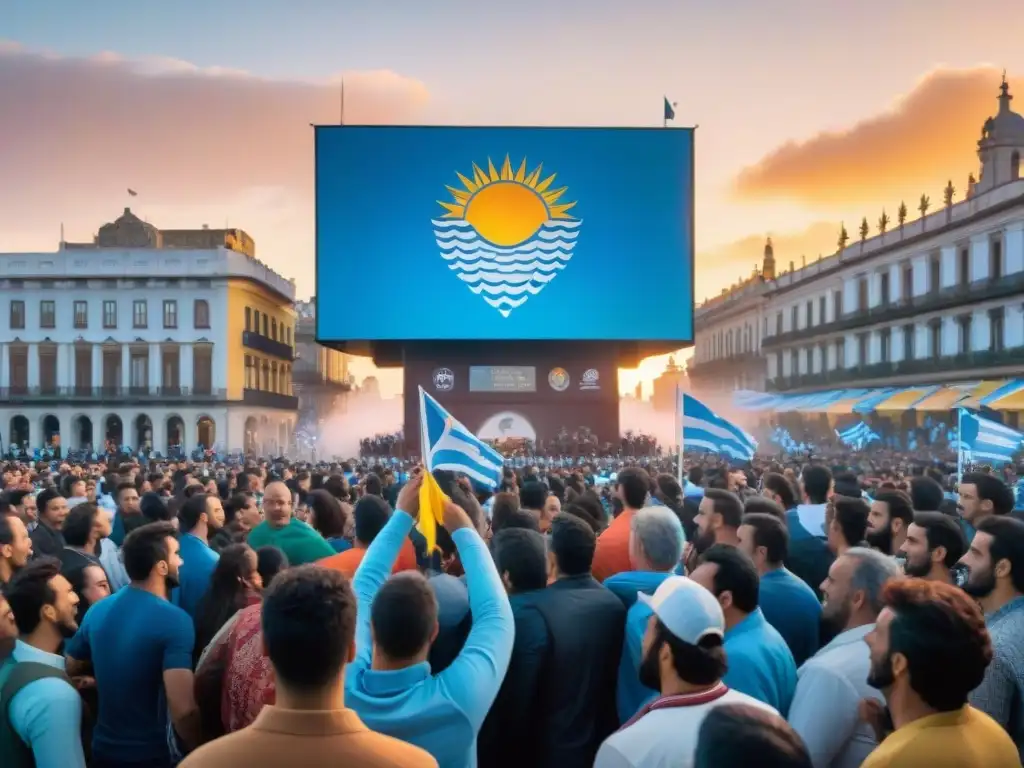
column 448, row 445
column 670, row 112
column 707, row 431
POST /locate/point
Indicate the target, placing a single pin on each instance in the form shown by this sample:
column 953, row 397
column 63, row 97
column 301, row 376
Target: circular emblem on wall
column 444, row 380
column 558, row 379
column 590, row 379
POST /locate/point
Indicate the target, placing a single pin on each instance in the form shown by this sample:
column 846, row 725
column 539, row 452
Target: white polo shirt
column 666, row 736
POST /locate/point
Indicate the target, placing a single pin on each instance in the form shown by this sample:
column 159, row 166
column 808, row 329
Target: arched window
column 201, row 314
column 1015, row 166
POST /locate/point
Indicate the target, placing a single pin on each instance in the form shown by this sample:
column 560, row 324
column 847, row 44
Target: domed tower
column 1001, row 145
column 768, row 265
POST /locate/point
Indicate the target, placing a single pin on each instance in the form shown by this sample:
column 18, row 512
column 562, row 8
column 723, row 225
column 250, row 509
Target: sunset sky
column 810, row 113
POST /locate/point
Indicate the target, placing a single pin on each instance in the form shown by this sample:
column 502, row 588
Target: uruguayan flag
column 857, row 436
column 985, row 441
column 704, row 430
column 449, row 445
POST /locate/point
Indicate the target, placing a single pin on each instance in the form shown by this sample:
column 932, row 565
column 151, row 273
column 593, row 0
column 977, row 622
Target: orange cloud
column 927, row 138
column 721, row 267
column 78, row 131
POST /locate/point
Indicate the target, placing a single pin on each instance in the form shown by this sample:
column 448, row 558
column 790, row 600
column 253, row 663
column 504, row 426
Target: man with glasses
column 299, row 542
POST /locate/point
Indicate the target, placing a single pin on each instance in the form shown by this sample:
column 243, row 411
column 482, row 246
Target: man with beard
column 934, row 544
column 44, row 711
column 718, row 522
column 15, row 546
column 996, row 579
column 684, row 660
column 982, row 496
column 140, row 648
column 891, row 514
column 929, row 650
column 201, row 516
column 831, row 684
column 760, row 663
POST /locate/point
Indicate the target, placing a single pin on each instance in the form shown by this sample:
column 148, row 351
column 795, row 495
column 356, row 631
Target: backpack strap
column 13, row 751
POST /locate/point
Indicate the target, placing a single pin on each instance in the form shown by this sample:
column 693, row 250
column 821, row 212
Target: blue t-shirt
column 760, row 663
column 198, row 562
column 131, row 638
column 793, row 609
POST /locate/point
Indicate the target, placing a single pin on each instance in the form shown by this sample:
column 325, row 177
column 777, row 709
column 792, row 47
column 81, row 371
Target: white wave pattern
column 506, row 277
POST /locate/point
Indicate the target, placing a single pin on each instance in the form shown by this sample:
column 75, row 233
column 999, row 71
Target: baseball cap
column 687, row 609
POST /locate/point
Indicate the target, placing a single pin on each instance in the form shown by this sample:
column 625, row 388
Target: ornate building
column 936, row 300
column 148, row 339
column 321, row 377
column 728, row 331
column 667, row 387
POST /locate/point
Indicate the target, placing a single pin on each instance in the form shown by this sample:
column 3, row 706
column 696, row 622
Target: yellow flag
column 432, row 500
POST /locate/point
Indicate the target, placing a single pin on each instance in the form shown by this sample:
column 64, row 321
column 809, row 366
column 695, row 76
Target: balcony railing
column 18, row 394
column 267, row 345
column 309, row 376
column 725, row 364
column 263, row 399
column 908, row 307
column 952, row 364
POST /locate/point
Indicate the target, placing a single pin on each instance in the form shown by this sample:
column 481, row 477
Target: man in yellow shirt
column 929, row 650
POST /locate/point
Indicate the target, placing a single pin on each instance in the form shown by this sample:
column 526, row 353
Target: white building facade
column 135, row 347
column 934, row 300
column 728, row 331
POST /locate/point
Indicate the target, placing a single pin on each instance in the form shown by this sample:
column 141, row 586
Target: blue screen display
column 448, row 233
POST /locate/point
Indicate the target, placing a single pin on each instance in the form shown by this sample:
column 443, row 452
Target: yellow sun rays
column 492, row 175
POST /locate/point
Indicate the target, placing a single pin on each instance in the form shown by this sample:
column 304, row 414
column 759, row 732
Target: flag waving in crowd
column 704, row 430
column 986, row 441
column 448, row 445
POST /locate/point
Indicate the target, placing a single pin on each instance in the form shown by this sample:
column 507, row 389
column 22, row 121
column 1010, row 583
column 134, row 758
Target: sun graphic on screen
column 507, row 207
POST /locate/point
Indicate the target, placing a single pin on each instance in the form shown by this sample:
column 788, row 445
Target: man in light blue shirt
column 760, row 663
column 655, row 548
column 390, row 685
column 200, row 517
column 832, row 683
column 44, row 709
column 787, row 602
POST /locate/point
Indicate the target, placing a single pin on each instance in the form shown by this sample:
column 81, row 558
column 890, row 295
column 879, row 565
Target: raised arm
column 474, row 678
column 377, row 563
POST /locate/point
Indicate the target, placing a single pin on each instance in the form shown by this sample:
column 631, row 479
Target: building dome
column 1006, row 127
column 127, row 231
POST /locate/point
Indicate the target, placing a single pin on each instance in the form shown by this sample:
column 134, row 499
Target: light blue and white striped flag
column 705, row 430
column 985, row 441
column 857, row 436
column 448, row 445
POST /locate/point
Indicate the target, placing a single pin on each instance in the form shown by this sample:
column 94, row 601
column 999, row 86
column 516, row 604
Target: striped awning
column 905, row 398
column 748, row 400
column 1009, row 397
column 872, row 401
column 986, row 390
column 817, row 402
column 847, row 401
column 947, row 398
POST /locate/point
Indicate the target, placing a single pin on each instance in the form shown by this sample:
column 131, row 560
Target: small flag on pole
column 670, row 111
column 132, row 192
column 448, row 445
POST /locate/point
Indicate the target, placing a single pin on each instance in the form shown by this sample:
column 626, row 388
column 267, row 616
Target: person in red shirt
column 632, row 488
column 371, row 515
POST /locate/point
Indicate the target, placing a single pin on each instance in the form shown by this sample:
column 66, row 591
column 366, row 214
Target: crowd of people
column 265, row 613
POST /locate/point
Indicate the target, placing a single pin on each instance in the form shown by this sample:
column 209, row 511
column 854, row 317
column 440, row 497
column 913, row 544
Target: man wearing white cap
column 684, row 659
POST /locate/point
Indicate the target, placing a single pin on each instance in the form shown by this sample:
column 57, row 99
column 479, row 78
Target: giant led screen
column 458, row 233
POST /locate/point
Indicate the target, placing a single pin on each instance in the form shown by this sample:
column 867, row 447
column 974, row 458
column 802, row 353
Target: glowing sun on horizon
column 507, row 207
